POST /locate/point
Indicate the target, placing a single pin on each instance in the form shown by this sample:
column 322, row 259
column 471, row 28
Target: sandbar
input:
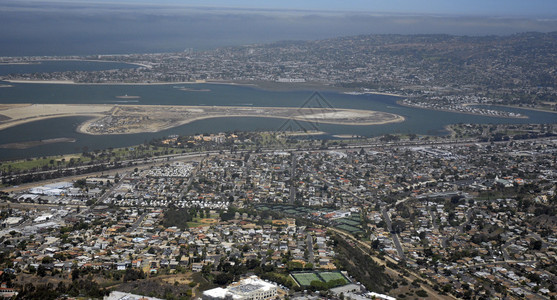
column 31, row 144
column 128, row 97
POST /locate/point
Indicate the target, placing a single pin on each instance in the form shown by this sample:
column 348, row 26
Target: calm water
column 418, row 121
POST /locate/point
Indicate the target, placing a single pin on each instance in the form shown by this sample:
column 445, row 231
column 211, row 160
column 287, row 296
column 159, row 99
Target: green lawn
column 40, row 162
column 61, row 161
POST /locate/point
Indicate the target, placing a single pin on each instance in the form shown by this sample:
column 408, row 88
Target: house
column 121, row 266
column 6, row 292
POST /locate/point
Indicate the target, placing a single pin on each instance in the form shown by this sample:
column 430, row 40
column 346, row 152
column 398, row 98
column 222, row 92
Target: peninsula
column 128, row 119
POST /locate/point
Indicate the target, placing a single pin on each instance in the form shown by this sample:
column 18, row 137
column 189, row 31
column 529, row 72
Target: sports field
column 305, row 279
column 330, row 276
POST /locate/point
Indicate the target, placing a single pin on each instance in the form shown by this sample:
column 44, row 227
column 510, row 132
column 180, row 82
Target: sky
column 496, row 8
column 79, row 27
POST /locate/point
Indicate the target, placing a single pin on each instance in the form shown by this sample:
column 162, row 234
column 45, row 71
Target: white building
column 115, row 295
column 251, row 288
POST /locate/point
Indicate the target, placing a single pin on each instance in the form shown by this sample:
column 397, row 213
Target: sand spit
column 16, row 114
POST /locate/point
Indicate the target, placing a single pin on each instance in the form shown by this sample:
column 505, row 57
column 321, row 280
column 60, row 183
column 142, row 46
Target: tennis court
column 305, row 279
column 330, row 276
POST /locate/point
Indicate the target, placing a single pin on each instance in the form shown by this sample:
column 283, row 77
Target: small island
column 126, row 96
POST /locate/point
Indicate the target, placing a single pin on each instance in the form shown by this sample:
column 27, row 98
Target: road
column 130, row 165
column 190, row 179
column 137, row 223
column 311, row 256
column 394, row 235
column 292, row 179
column 152, row 160
column 444, row 238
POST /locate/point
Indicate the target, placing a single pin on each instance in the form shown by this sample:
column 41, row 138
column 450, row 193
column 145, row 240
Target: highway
column 110, row 166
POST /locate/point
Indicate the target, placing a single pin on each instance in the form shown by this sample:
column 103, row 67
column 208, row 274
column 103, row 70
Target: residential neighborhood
column 465, row 219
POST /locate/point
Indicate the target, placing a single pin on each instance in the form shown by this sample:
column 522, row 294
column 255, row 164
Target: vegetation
column 361, row 266
column 177, row 218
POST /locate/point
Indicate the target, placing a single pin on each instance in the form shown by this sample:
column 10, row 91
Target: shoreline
column 347, row 136
column 21, row 63
column 385, row 94
column 399, row 102
column 518, row 107
column 261, row 85
column 38, row 62
column 91, row 83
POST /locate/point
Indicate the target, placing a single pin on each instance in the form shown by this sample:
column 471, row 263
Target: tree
column 223, row 278
column 206, row 269
column 421, row 293
column 80, row 183
column 536, row 245
column 47, row 260
column 41, row 271
column 75, row 274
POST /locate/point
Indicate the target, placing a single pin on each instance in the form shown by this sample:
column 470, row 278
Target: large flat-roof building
column 251, row 288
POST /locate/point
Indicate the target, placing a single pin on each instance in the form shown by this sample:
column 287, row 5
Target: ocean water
column 29, row 28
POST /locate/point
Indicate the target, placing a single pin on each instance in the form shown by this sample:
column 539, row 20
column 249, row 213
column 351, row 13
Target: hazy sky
column 455, row 7
column 38, row 27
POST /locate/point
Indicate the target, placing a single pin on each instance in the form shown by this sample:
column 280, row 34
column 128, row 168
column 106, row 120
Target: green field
column 305, row 279
column 349, row 222
column 351, row 229
column 330, row 276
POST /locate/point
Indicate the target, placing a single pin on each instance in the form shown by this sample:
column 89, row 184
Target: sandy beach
column 17, row 114
column 42, row 81
column 385, row 94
